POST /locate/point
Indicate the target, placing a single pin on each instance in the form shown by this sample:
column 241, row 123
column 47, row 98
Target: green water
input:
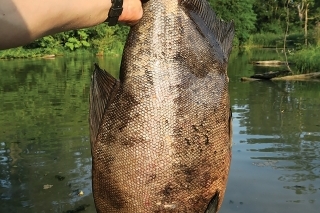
column 44, row 138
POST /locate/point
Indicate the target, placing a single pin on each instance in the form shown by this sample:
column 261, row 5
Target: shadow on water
column 44, row 138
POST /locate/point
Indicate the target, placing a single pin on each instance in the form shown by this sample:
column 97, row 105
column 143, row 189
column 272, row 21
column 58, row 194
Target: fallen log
column 315, row 76
column 272, row 62
column 309, row 76
column 249, row 79
column 52, row 56
column 271, row 74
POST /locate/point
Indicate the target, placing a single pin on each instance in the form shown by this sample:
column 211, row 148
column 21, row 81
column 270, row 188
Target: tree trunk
column 306, row 25
column 285, row 36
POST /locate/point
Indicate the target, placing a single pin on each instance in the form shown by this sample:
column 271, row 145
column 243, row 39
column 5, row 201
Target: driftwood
column 309, row 76
column 277, row 76
column 271, row 74
column 270, row 63
column 52, row 56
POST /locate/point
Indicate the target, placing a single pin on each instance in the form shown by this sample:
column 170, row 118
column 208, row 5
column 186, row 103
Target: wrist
column 132, row 12
column 114, row 12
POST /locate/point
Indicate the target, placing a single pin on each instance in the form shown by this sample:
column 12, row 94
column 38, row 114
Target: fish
column 161, row 134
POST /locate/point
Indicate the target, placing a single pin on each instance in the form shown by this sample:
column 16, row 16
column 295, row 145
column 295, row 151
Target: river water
column 45, row 159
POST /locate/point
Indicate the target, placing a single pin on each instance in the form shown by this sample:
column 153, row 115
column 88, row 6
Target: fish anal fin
column 103, row 88
column 211, row 27
column 213, row 204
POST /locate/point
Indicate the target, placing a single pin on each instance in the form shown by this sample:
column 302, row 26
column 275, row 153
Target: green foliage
column 258, row 23
column 21, row 52
column 276, row 40
column 265, row 40
column 101, row 39
column 241, row 12
column 307, row 59
column 316, row 34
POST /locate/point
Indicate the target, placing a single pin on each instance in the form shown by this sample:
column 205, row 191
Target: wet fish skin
column 161, row 136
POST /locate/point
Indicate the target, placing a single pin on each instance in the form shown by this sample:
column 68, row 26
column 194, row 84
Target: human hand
column 132, row 12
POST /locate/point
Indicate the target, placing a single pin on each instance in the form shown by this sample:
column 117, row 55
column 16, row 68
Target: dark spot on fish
column 149, row 76
column 178, row 131
column 127, row 142
column 178, row 57
column 110, row 138
column 152, row 177
column 168, row 189
column 195, row 128
column 190, row 174
column 206, row 140
column 187, row 141
column 121, row 127
column 122, row 119
column 132, row 140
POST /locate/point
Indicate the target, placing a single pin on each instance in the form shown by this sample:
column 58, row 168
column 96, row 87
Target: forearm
column 22, row 21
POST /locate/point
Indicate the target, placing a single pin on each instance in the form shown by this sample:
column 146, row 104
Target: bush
column 307, row 59
column 101, row 39
column 265, row 40
column 316, row 34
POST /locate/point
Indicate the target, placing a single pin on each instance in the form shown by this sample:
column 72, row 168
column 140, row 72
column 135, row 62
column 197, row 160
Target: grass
column 274, row 40
column 21, row 52
column 307, row 59
column 264, row 40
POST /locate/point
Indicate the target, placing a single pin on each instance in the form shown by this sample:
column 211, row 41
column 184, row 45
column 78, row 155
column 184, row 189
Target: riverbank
column 22, row 53
column 307, row 60
column 97, row 40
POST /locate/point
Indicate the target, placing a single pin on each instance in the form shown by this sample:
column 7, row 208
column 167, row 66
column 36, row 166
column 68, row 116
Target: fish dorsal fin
column 207, row 21
column 103, row 88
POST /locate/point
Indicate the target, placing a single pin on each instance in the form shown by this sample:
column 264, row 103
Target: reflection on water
column 44, row 138
column 275, row 165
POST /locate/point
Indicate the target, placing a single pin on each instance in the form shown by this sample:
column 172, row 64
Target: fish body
column 161, row 135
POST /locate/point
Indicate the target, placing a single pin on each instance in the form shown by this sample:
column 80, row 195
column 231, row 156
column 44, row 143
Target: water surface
column 44, row 138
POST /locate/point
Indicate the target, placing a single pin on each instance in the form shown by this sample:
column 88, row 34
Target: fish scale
column 161, row 135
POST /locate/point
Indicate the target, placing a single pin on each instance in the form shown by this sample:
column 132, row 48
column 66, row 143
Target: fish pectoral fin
column 103, row 88
column 213, row 204
column 209, row 24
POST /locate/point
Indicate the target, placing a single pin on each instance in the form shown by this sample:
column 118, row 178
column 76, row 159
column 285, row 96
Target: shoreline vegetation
column 97, row 40
column 291, row 27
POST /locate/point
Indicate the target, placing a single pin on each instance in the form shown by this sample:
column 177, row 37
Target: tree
column 303, row 10
column 269, row 14
column 241, row 12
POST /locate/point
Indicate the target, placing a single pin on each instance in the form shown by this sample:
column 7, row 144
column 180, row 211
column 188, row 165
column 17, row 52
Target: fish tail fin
column 202, row 14
column 103, row 89
column 213, row 204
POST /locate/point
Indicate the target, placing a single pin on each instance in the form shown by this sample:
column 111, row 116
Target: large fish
column 161, row 135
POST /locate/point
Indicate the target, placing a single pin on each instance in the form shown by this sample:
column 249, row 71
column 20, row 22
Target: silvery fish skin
column 161, row 135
